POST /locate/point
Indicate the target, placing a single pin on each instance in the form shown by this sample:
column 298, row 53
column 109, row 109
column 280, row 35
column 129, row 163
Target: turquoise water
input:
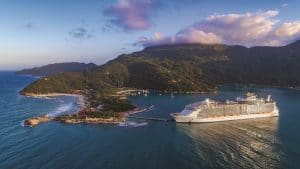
column 259, row 143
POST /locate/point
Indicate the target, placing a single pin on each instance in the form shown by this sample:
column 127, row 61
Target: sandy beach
column 80, row 98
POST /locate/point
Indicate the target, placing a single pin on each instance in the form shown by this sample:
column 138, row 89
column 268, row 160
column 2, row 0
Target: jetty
column 150, row 118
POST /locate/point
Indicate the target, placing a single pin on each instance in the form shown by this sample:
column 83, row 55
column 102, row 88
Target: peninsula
column 111, row 109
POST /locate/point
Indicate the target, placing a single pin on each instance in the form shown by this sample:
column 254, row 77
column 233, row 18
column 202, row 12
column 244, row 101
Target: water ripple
column 241, row 143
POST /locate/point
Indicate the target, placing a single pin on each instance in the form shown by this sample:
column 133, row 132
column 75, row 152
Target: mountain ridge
column 182, row 68
column 54, row 68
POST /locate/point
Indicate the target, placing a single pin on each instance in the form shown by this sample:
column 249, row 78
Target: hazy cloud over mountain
column 249, row 29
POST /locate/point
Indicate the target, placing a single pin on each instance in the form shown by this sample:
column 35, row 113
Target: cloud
column 285, row 5
column 191, row 36
column 249, row 29
column 289, row 29
column 132, row 14
column 80, row 33
column 28, row 26
column 246, row 29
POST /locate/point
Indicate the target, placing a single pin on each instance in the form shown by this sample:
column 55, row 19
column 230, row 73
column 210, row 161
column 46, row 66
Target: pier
column 151, row 118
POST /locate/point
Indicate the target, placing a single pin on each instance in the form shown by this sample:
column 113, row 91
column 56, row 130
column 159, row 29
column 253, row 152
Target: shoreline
column 33, row 121
column 81, row 100
column 51, row 95
column 76, row 118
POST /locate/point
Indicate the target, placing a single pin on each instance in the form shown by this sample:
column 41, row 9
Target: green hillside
column 183, row 68
column 56, row 68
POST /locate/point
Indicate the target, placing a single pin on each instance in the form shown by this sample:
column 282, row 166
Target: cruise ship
column 246, row 107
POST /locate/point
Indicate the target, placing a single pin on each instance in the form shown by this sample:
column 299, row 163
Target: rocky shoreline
column 81, row 118
column 37, row 120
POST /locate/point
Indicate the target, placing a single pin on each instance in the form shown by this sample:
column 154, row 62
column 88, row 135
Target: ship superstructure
column 245, row 107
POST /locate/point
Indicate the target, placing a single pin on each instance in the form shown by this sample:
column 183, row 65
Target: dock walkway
column 150, row 118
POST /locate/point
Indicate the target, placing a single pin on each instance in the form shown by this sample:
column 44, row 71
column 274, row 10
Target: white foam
column 133, row 124
column 61, row 109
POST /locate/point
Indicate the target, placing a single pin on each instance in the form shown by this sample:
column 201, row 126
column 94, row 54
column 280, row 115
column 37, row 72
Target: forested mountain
column 184, row 68
column 55, row 68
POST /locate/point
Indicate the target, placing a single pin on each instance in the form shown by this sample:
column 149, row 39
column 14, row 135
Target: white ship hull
column 194, row 119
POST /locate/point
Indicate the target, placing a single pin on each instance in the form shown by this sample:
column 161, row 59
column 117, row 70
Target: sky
column 35, row 32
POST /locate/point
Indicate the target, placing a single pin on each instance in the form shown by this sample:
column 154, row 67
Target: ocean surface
column 257, row 143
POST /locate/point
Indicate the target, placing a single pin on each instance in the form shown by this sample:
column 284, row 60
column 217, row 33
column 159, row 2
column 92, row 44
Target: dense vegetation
column 115, row 104
column 97, row 114
column 53, row 69
column 104, row 114
column 59, row 83
column 182, row 68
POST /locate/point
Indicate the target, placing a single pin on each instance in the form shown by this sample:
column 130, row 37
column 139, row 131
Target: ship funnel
column 207, row 101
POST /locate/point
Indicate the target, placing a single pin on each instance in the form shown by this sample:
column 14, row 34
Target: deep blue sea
column 257, row 143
